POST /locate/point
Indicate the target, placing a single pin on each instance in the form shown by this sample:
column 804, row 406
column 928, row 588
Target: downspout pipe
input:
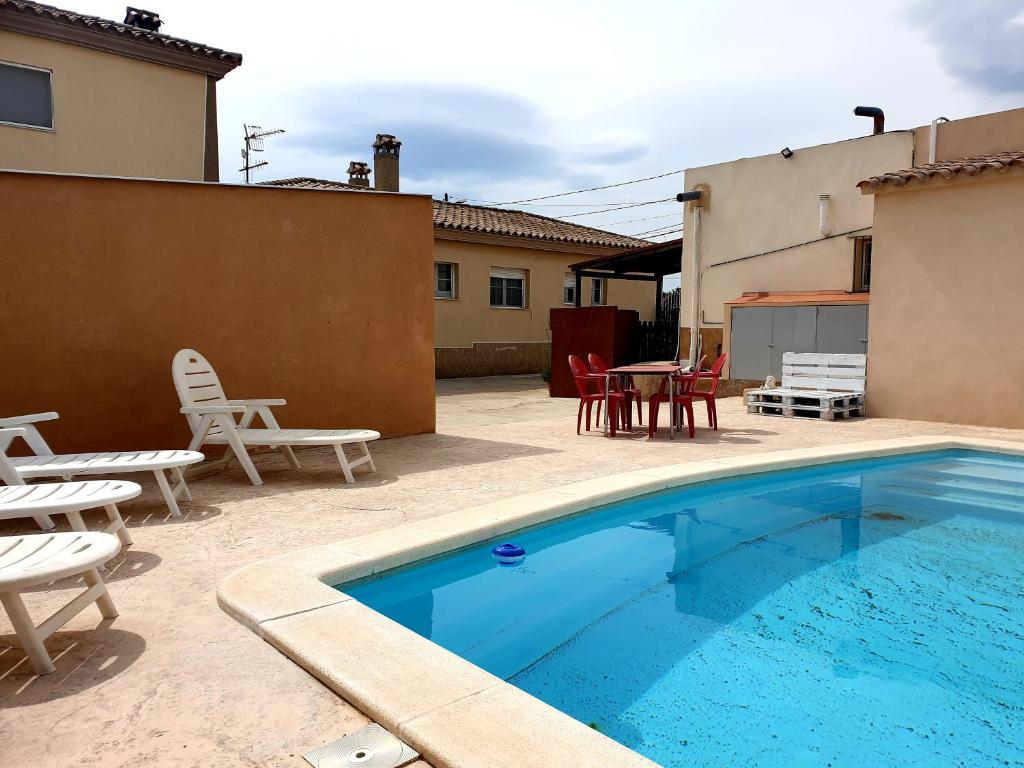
column 875, row 113
column 824, row 226
column 694, row 197
column 933, row 139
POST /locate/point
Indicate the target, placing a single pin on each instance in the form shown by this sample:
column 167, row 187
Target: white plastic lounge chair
column 211, row 416
column 40, row 501
column 67, row 465
column 45, row 499
column 28, row 561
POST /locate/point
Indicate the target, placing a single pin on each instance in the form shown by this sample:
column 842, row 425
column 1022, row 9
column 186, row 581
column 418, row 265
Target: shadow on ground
column 83, row 660
column 431, row 453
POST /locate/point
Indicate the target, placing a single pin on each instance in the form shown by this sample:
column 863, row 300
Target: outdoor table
column 621, row 372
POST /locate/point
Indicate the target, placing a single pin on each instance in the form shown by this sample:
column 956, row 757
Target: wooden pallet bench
column 814, row 386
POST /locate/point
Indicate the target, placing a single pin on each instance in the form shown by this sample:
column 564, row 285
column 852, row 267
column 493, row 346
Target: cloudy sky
column 501, row 102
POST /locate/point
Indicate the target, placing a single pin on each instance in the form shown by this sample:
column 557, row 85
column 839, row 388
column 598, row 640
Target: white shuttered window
column 508, row 288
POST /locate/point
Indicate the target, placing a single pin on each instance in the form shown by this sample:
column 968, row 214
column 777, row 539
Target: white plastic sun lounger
column 69, row 499
column 211, row 416
column 46, row 463
column 29, row 561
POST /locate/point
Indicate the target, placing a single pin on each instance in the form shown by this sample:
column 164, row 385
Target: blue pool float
column 508, row 554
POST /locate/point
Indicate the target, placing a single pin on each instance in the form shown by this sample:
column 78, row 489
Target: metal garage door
column 793, row 330
column 750, row 342
column 842, row 330
column 761, row 335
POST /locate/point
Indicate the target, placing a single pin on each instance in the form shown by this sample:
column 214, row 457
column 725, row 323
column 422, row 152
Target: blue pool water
column 864, row 614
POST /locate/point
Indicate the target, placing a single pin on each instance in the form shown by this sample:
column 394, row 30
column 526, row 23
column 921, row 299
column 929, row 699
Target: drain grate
column 369, row 747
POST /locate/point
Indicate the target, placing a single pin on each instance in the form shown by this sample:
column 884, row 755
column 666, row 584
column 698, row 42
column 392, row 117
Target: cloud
column 432, row 149
column 981, row 43
column 467, row 136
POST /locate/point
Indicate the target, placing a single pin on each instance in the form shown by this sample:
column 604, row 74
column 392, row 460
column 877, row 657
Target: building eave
column 520, row 241
column 166, row 51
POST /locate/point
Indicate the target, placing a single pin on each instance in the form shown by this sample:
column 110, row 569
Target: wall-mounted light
column 787, row 152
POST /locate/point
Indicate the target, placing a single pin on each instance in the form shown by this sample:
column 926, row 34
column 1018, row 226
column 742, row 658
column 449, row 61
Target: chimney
column 385, row 162
column 142, row 19
column 359, row 174
column 875, row 114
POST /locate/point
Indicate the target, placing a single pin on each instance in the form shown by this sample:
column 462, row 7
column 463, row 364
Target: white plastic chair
column 46, row 463
column 211, row 416
column 40, row 501
column 40, row 558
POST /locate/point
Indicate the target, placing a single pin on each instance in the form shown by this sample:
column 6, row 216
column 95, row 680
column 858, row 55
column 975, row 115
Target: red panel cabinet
column 606, row 331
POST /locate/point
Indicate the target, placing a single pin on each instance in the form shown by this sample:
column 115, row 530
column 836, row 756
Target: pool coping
column 454, row 713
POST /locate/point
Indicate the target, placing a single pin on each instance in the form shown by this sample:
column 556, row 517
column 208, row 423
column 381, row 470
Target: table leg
column 671, row 407
column 623, row 383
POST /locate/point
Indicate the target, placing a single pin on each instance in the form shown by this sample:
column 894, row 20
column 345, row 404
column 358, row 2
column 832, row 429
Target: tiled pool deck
column 172, row 681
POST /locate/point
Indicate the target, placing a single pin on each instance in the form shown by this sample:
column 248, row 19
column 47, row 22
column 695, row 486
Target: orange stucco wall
column 946, row 312
column 321, row 298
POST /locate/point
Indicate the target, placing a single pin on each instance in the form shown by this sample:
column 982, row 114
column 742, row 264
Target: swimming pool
column 864, row 613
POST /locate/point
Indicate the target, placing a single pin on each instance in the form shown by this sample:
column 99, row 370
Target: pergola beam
column 613, row 275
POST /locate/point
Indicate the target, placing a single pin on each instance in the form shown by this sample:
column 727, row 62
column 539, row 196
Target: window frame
column 598, row 286
column 523, row 278
column 53, row 117
column 453, row 279
column 569, row 290
column 862, row 249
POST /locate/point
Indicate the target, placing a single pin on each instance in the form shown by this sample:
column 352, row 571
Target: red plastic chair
column 590, row 388
column 682, row 396
column 715, row 375
column 598, row 365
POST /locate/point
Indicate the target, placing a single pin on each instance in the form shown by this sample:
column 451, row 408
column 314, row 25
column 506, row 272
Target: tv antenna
column 254, row 136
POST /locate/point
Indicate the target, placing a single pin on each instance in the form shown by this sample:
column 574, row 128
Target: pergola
column 650, row 262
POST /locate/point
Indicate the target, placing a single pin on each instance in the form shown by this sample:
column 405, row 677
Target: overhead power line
column 554, row 205
column 646, row 218
column 618, row 208
column 664, row 234
column 657, row 230
column 593, row 189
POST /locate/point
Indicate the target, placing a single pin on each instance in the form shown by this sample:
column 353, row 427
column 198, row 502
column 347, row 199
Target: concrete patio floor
column 173, row 681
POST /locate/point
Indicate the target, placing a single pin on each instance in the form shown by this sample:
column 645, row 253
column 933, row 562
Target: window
column 508, row 288
column 444, row 280
column 597, row 292
column 569, row 290
column 25, row 98
column 862, row 264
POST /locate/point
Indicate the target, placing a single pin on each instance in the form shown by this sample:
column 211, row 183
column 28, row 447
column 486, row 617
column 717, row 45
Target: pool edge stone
column 305, row 618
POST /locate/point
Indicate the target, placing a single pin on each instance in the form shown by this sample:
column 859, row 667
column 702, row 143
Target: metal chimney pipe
column 873, row 112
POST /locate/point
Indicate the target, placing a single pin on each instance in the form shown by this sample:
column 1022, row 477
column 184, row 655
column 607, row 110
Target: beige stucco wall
column 763, row 203
column 113, row 115
column 971, row 136
column 469, row 318
column 946, row 312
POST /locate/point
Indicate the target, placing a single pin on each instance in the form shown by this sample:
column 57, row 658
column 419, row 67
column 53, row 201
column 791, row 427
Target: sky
column 504, row 102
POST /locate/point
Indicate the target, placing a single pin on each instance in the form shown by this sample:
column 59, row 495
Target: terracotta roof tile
column 799, row 297
column 948, row 169
column 503, row 221
column 305, row 182
column 116, row 29
column 461, row 217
